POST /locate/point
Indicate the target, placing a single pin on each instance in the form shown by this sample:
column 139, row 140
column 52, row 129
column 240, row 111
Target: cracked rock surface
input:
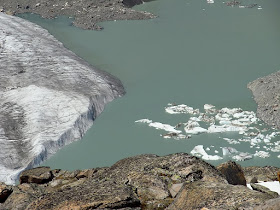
column 49, row 96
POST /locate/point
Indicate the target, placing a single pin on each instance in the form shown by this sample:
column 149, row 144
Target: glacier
column 49, row 96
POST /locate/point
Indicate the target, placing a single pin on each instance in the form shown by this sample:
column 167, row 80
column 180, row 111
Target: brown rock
column 215, row 195
column 40, row 175
column 278, row 176
column 233, row 173
column 5, row 191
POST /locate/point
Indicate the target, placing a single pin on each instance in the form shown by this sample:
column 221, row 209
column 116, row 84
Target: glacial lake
column 194, row 53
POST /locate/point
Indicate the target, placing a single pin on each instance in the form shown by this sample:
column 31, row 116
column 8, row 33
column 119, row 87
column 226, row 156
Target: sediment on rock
column 49, row 96
column 87, row 13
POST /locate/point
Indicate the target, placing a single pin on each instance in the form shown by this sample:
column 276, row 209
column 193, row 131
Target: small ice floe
column 176, row 136
column 276, row 149
column 228, row 151
column 209, row 108
column 242, row 156
column 216, row 151
column 231, row 141
column 193, row 127
column 210, row 1
column 181, row 109
column 144, row 121
column 224, row 128
column 278, row 156
column 262, row 154
column 208, row 149
column 200, row 152
column 166, row 127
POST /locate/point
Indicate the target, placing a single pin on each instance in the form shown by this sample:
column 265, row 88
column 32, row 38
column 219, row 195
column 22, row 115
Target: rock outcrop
column 177, row 181
column 233, row 173
column 266, row 92
column 49, row 96
column 87, row 13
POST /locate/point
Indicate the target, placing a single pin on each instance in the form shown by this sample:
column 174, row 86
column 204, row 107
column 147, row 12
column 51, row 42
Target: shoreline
column 87, row 14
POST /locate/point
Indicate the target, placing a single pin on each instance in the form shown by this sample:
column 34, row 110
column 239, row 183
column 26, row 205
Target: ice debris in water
column 213, row 120
column 181, row 109
column 200, row 152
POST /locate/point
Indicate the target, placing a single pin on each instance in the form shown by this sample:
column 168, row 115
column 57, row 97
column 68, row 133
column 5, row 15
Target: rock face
column 266, row 91
column 266, row 173
column 87, row 13
column 177, row 181
column 233, row 173
column 49, row 96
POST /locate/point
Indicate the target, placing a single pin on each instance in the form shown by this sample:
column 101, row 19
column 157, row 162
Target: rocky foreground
column 177, row 181
column 49, row 96
column 87, row 13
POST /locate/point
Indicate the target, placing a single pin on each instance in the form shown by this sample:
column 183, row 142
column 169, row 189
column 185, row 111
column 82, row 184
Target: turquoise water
column 193, row 53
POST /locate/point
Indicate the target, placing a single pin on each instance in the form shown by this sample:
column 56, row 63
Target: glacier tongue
column 49, row 96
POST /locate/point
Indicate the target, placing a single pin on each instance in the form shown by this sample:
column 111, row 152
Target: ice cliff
column 49, row 97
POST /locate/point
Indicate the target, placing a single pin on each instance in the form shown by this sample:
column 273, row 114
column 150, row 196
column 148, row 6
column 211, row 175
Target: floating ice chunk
column 207, row 148
column 224, row 128
column 200, row 152
column 231, row 141
column 210, row 1
column 197, row 119
column 209, row 108
column 242, row 156
column 222, row 117
column 278, row 156
column 276, row 149
column 216, row 151
column 166, row 127
column 262, row 154
column 194, row 128
column 228, row 151
column 181, row 109
column 144, row 121
column 230, row 111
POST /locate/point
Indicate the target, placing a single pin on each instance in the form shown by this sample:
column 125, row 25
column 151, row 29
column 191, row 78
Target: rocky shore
column 87, row 13
column 177, row 181
column 266, row 91
column 49, row 96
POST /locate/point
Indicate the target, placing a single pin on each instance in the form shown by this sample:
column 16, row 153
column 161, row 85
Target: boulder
column 265, row 174
column 278, row 176
column 215, row 195
column 233, row 173
column 5, row 191
column 40, row 175
column 177, row 181
column 263, row 189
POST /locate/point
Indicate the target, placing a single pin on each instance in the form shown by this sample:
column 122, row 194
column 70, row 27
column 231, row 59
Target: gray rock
column 49, row 96
column 263, row 189
column 40, row 175
column 266, row 92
